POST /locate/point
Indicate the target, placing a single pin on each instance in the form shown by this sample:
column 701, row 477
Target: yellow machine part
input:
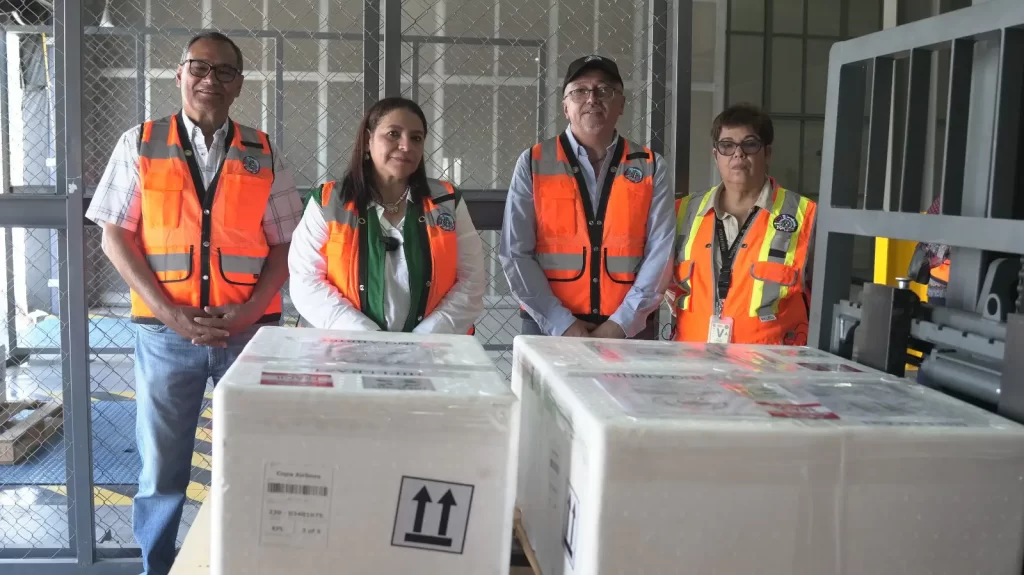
column 892, row 260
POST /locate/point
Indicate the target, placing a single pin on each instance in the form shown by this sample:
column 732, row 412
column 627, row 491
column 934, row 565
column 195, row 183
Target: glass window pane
column 817, row 76
column 784, row 165
column 702, row 175
column 746, row 15
column 813, row 132
column 705, row 32
column 787, row 62
column 746, row 55
column 788, row 16
column 823, row 17
column 863, row 17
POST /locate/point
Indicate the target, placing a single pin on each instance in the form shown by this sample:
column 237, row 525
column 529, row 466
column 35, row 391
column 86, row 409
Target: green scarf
column 372, row 256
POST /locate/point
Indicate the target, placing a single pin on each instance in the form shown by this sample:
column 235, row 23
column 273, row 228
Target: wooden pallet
column 20, row 437
column 524, row 541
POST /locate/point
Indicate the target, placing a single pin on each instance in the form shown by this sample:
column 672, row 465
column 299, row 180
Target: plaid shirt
column 937, row 253
column 118, row 199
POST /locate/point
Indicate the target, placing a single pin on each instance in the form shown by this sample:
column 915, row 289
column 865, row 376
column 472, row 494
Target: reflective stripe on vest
column 206, row 248
column 345, row 258
column 766, row 299
column 691, row 221
column 574, row 236
column 778, row 248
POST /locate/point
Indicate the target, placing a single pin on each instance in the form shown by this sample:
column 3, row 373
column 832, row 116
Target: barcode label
column 293, row 489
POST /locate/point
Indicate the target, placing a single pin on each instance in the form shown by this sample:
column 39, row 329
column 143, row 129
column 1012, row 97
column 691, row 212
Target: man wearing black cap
column 588, row 231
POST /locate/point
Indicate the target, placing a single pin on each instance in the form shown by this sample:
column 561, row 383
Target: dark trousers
column 530, row 327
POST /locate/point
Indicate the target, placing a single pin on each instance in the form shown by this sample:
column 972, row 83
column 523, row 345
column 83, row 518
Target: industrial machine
column 873, row 180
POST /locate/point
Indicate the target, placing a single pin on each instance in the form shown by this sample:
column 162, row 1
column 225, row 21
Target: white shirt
column 323, row 306
column 118, row 201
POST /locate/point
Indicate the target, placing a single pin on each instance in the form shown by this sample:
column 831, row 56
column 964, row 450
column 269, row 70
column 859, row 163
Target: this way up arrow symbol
column 421, row 499
column 447, row 502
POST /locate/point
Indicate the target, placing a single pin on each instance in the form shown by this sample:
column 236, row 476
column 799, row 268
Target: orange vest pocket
column 557, row 210
column 775, row 273
column 161, row 208
column 237, row 269
column 172, row 266
column 247, row 196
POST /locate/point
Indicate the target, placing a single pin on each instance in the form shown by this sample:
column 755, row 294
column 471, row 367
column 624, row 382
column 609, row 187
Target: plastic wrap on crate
column 796, row 473
column 670, row 357
column 330, row 348
column 321, row 466
column 615, row 354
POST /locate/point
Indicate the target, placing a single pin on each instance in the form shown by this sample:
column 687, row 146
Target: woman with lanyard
column 386, row 248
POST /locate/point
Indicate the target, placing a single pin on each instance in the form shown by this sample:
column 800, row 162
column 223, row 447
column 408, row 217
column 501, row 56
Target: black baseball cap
column 592, row 62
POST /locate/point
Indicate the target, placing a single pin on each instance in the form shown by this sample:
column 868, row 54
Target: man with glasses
column 587, row 238
column 197, row 214
column 744, row 248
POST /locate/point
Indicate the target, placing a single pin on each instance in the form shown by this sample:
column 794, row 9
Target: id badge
column 720, row 330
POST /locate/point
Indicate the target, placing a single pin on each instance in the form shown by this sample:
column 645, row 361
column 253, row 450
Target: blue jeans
column 170, row 382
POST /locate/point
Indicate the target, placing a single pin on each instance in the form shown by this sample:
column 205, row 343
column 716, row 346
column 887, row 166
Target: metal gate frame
column 63, row 207
column 979, row 174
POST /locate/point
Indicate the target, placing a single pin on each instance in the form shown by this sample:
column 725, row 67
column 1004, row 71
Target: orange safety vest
column 766, row 300
column 940, row 273
column 591, row 254
column 205, row 248
column 346, row 248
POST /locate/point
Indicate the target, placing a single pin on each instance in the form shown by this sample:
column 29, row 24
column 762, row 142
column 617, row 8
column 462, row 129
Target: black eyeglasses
column 601, row 93
column 201, row 69
column 750, row 146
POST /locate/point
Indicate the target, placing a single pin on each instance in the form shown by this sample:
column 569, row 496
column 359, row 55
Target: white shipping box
column 744, row 461
column 340, row 452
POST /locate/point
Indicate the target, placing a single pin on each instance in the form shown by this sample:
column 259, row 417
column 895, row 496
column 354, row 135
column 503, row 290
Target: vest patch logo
column 785, row 223
column 633, row 174
column 251, row 164
column 446, row 222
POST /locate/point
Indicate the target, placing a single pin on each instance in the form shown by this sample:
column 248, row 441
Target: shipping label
column 296, row 505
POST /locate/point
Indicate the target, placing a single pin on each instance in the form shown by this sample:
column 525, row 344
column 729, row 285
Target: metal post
column 961, row 60
column 968, row 265
column 659, row 71
column 916, row 132
column 542, row 90
column 140, row 78
column 681, row 94
column 323, row 95
column 279, row 93
column 878, row 134
column 414, row 80
column 74, row 311
column 844, row 115
column 371, row 53
column 11, row 307
column 392, row 47
column 550, row 66
column 1008, row 126
column 1011, row 400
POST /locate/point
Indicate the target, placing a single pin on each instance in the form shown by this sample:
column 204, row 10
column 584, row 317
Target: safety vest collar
column 713, row 192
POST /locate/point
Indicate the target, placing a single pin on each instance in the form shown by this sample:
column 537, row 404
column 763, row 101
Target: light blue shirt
column 519, row 241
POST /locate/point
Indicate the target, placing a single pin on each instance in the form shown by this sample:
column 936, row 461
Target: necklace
column 393, row 207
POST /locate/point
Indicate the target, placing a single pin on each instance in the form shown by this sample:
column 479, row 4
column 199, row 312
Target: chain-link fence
column 33, row 510
column 487, row 73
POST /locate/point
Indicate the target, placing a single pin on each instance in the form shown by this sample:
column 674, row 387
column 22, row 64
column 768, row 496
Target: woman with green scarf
column 386, row 248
